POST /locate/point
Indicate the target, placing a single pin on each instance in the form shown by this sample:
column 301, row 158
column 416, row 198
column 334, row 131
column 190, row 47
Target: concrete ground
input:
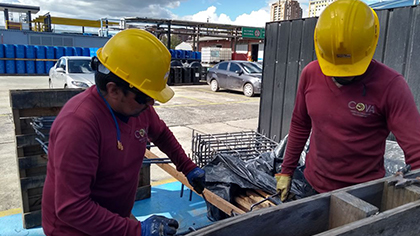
column 194, row 107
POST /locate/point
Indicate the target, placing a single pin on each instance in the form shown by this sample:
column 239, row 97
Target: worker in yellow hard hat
column 348, row 103
column 98, row 141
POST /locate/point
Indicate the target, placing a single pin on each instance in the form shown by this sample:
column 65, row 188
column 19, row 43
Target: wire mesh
column 245, row 145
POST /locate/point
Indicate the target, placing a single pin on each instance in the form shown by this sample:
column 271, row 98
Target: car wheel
column 248, row 90
column 214, row 85
column 49, row 83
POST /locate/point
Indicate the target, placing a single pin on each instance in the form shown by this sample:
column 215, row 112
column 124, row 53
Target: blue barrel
column 50, row 54
column 68, row 51
column 93, row 51
column 40, row 54
column 2, row 67
column 10, row 52
column 173, row 54
column 180, row 54
column 86, row 52
column 30, row 54
column 59, row 52
column 20, row 64
column 78, row 51
column 189, row 54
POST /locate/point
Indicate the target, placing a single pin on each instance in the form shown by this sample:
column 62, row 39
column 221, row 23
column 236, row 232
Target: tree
column 175, row 40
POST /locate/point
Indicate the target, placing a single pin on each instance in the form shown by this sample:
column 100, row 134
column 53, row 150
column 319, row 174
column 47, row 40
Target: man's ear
column 113, row 90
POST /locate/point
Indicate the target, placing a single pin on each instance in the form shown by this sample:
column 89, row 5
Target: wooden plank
column 370, row 192
column 209, row 196
column 25, row 140
column 31, row 151
column 257, row 198
column 36, row 171
column 401, row 221
column 31, row 219
column 36, row 112
column 35, row 202
column 143, row 192
column 41, row 98
column 269, row 73
column 346, row 208
column 32, row 161
column 144, row 176
column 303, row 217
column 32, row 182
column 242, row 202
column 394, row 197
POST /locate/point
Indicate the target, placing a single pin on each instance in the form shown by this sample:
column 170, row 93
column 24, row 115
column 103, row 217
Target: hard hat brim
column 345, row 70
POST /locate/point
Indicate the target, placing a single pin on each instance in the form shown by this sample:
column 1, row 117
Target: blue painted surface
column 59, row 52
column 30, row 53
column 2, row 63
column 40, row 54
column 165, row 200
column 68, row 51
column 86, row 52
column 78, row 51
column 10, row 52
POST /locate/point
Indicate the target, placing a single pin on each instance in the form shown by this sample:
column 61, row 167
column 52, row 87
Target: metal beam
column 74, row 22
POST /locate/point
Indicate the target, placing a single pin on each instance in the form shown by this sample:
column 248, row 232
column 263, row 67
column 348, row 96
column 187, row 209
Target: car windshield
column 80, row 66
column 251, row 68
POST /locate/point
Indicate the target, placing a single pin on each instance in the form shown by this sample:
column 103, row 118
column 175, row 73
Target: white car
column 72, row 72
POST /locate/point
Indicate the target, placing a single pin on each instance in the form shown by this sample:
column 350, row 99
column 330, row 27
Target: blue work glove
column 158, row 226
column 197, row 179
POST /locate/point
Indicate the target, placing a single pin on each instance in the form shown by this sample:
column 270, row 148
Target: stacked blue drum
column 20, row 62
column 30, row 59
column 10, row 53
column 2, row 65
column 30, row 54
column 50, row 54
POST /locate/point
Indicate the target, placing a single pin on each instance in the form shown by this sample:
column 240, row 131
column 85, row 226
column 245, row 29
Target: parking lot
column 194, row 107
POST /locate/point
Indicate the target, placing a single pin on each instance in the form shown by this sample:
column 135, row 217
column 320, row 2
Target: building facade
column 317, row 6
column 285, row 10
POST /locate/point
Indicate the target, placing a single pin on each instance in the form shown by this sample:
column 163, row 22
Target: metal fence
column 289, row 47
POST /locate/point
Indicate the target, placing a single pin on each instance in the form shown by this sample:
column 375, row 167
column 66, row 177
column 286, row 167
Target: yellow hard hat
column 346, row 36
column 140, row 59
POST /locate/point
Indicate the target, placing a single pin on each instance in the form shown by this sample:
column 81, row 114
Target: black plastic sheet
column 226, row 174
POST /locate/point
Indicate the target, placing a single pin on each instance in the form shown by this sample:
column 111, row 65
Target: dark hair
column 101, row 80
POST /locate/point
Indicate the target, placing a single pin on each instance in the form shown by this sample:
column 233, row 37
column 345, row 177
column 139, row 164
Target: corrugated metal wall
column 289, row 47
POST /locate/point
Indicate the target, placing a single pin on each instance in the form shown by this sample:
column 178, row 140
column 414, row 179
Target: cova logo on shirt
column 141, row 135
column 361, row 109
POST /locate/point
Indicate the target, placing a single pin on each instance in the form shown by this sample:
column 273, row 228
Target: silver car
column 243, row 76
column 72, row 72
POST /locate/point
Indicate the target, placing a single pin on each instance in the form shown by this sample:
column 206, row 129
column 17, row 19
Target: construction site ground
column 194, row 107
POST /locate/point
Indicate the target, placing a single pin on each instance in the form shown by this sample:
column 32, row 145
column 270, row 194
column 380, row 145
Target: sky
column 237, row 12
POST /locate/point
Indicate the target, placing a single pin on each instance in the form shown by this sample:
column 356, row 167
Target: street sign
column 256, row 33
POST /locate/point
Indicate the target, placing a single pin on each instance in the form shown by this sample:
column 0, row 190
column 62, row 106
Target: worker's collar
column 345, row 81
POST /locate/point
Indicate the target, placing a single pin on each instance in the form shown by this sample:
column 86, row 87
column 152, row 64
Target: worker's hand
column 158, row 226
column 283, row 185
column 197, row 179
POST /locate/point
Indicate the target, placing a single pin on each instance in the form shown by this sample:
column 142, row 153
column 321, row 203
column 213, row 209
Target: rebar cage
column 245, row 145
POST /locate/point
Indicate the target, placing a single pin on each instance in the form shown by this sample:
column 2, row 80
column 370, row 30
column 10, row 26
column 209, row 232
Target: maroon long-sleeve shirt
column 350, row 125
column 90, row 185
